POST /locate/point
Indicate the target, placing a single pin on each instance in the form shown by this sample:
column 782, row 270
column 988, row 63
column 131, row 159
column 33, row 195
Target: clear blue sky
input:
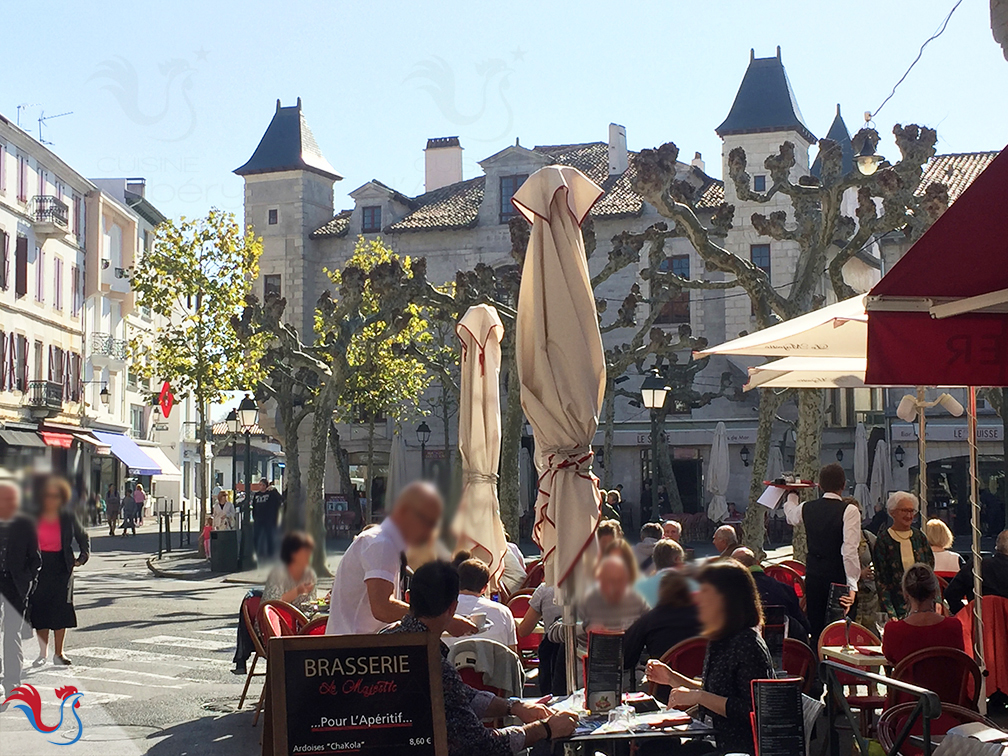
column 181, row 92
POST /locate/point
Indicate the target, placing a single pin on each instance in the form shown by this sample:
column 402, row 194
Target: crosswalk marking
column 202, row 644
column 146, row 657
column 226, row 632
column 102, row 674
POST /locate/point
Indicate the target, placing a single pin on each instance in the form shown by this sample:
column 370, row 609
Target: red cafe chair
column 249, row 610
column 316, row 626
column 800, row 661
column 788, row 576
column 894, row 719
column 871, row 701
column 685, row 657
column 276, row 619
column 795, row 565
column 948, row 672
column 528, row 649
column 519, row 605
column 535, row 574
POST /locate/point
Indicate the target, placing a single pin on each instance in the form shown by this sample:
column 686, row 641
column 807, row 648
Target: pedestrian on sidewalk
column 140, row 499
column 20, row 562
column 128, row 512
column 113, row 506
column 52, row 604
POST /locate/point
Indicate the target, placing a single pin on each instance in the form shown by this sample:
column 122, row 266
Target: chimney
column 697, row 162
column 442, row 162
column 618, row 162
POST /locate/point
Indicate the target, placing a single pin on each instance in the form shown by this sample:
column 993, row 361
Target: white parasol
column 561, row 364
column 398, row 479
column 477, row 522
column 717, row 475
column 861, row 491
column 881, row 477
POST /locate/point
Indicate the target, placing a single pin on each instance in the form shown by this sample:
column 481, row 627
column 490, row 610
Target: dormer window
column 508, row 186
column 759, row 183
column 371, row 219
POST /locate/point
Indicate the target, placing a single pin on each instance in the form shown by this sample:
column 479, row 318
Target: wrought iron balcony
column 45, row 395
column 50, row 214
column 104, row 344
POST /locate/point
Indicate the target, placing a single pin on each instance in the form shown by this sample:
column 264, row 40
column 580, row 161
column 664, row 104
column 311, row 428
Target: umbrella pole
column 922, row 454
column 570, row 647
column 978, row 636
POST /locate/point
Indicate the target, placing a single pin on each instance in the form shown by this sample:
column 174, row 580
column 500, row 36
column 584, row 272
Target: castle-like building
column 458, row 222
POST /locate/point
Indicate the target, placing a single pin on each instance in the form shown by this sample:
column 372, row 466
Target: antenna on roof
column 25, row 106
column 752, row 54
column 778, row 52
column 43, row 118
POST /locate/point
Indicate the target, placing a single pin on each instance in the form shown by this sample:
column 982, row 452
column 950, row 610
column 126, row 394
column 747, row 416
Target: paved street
column 153, row 658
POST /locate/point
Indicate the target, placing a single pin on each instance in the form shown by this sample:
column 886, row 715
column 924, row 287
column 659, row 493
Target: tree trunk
column 343, row 464
column 314, row 493
column 513, row 423
column 294, row 510
column 609, row 429
column 369, row 481
column 754, row 519
column 666, row 475
column 808, row 450
column 201, row 478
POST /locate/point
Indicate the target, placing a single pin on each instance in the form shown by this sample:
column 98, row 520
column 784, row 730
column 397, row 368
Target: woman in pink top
column 51, row 605
column 140, row 498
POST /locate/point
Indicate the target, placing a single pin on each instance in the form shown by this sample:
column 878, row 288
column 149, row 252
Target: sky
column 180, row 92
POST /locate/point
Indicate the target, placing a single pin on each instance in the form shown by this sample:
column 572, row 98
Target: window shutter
column 4, row 261
column 21, row 266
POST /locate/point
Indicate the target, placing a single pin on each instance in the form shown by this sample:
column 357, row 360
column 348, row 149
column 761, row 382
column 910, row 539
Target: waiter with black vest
column 833, row 530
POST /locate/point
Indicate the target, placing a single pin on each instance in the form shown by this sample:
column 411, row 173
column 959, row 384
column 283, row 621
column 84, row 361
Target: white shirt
column 851, row 533
column 223, row 517
column 375, row 554
column 503, row 628
column 514, row 571
column 947, row 561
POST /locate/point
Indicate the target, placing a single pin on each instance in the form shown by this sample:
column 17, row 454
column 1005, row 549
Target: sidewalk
column 185, row 564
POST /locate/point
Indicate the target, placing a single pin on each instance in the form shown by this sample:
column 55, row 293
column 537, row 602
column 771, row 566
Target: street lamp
column 247, row 416
column 865, row 142
column 654, row 390
column 104, row 396
column 423, row 436
column 232, row 427
column 744, row 454
column 899, row 454
column 912, row 408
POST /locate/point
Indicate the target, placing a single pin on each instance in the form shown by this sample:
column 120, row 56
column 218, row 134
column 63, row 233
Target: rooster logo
column 30, row 704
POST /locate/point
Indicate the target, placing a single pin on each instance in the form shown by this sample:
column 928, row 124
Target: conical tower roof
column 288, row 145
column 838, row 133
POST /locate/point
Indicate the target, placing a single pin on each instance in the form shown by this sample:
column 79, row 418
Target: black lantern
column 839, row 455
column 423, row 433
column 899, row 454
column 744, row 454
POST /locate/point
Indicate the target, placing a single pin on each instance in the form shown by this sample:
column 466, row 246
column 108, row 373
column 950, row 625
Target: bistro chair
column 871, row 701
column 795, row 565
column 685, row 657
column 519, row 604
column 528, row 648
column 535, row 573
column 800, row 661
column 316, row 626
column 892, row 721
column 292, row 618
column 950, row 673
column 276, row 619
column 249, row 610
column 790, row 577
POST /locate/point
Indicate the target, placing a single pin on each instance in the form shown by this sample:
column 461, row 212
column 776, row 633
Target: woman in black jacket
column 674, row 619
column 52, row 602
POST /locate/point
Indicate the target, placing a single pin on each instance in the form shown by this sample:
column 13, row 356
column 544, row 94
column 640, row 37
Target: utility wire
column 920, row 52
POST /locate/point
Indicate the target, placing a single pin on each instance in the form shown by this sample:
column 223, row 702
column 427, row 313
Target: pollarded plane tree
column 887, row 201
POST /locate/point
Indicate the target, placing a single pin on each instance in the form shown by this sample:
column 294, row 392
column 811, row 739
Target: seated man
column 433, row 601
column 774, row 593
column 725, row 541
column 672, row 530
column 650, row 534
column 473, row 579
column 667, row 555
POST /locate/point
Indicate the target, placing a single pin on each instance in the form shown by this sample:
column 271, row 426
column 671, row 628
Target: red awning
column 911, row 340
column 53, row 438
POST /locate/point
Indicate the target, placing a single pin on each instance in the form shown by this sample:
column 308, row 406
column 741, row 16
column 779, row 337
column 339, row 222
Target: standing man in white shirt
column 368, row 588
column 833, row 530
column 500, row 625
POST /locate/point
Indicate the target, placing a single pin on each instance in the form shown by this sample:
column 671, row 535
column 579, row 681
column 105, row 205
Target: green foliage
column 195, row 279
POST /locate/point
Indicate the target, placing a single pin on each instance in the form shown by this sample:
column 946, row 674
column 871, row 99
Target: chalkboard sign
column 778, row 715
column 362, row 694
column 604, row 672
column 774, row 632
column 834, row 609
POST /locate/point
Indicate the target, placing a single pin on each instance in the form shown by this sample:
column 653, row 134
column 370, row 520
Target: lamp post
column 912, row 408
column 654, row 390
column 423, row 432
column 232, row 426
column 248, row 416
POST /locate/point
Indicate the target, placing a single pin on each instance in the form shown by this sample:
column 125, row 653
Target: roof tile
column 956, row 171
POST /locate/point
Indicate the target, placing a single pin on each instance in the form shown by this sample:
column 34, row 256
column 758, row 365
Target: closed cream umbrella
column 398, row 479
column 775, row 465
column 561, row 367
column 477, row 523
column 881, row 477
column 717, row 475
column 861, row 490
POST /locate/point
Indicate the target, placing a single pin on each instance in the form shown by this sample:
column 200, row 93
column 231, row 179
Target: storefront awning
column 131, row 455
column 12, row 437
column 57, row 439
column 168, row 468
column 97, row 447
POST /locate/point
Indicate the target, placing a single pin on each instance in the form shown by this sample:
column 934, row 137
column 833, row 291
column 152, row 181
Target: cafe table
column 864, row 657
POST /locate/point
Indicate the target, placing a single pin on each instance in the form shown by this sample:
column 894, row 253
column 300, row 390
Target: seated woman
column 293, row 581
column 673, row 619
column 940, row 538
column 730, row 611
column 923, row 626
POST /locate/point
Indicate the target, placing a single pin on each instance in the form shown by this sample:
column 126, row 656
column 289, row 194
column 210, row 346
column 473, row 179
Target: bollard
column 159, row 535
column 167, row 520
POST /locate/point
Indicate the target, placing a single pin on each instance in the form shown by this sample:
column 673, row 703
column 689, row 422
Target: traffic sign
column 166, row 399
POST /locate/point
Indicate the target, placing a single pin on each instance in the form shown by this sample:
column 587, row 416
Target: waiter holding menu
column 833, row 530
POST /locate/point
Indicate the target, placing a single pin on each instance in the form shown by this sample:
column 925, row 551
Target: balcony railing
column 45, row 395
column 105, row 344
column 48, row 209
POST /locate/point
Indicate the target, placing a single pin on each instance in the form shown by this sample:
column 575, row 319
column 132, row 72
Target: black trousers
column 243, row 643
column 817, row 592
column 11, row 623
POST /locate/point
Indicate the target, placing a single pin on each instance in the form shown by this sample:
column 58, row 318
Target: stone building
column 459, row 222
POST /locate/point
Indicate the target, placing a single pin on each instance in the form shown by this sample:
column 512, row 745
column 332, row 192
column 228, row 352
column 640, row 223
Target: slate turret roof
column 765, row 102
column 288, row 145
column 838, row 133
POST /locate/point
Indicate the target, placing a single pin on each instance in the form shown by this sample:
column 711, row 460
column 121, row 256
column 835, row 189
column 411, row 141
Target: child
column 204, row 538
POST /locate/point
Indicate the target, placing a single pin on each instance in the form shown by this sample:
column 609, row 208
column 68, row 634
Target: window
column 677, row 308
column 759, row 183
column 131, row 379
column 271, row 286
column 137, row 421
column 39, row 274
column 58, row 283
column 760, row 256
column 21, row 366
column 78, row 220
column 272, row 217
column 3, row 168
column 38, row 361
column 508, row 186
column 55, row 364
column 371, row 219
column 4, row 261
column 75, row 290
column 41, row 180
column 21, row 266
column 22, row 179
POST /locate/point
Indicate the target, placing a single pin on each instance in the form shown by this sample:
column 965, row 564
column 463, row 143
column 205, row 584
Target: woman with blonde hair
column 940, row 537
